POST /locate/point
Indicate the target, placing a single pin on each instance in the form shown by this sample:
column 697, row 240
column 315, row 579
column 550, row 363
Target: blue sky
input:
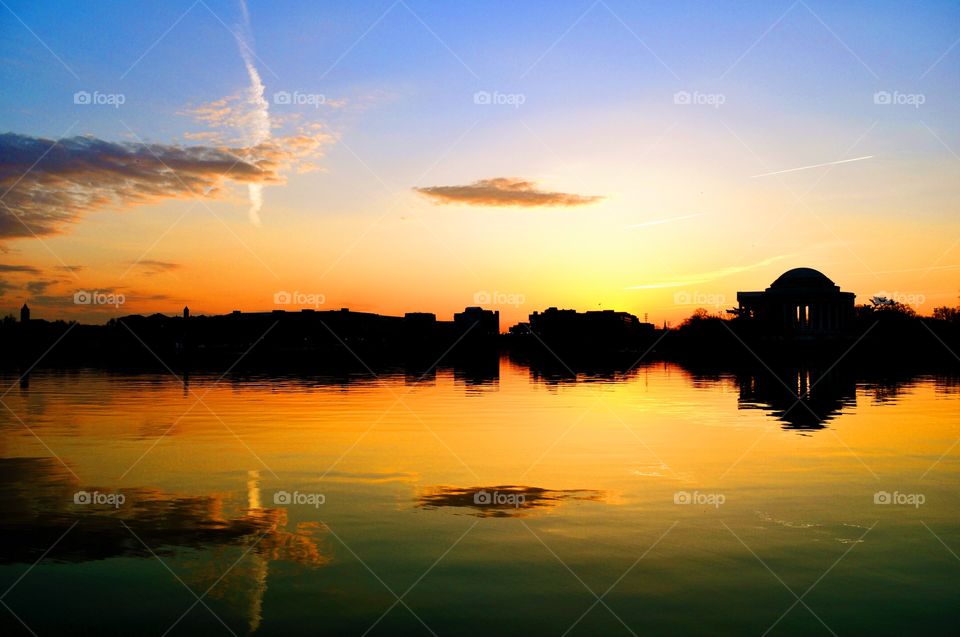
column 597, row 81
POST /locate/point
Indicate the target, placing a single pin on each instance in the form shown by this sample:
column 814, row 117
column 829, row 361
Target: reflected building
column 800, row 397
column 802, row 304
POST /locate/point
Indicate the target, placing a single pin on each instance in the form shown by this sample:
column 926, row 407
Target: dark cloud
column 15, row 271
column 28, row 269
column 39, row 287
column 45, row 184
column 503, row 191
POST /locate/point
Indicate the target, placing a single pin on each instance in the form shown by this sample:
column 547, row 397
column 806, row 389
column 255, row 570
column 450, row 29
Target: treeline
column 883, row 332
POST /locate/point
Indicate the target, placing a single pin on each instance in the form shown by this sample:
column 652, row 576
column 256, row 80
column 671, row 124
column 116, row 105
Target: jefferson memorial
column 801, row 304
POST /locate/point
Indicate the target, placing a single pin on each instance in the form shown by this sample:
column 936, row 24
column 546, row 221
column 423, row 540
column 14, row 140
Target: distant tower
column 24, row 314
column 186, row 312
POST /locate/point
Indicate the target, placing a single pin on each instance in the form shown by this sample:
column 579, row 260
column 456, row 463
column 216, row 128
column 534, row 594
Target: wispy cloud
column 503, row 191
column 706, row 277
column 39, row 287
column 829, row 163
column 49, row 184
column 257, row 125
column 658, row 222
column 28, row 269
column 151, row 267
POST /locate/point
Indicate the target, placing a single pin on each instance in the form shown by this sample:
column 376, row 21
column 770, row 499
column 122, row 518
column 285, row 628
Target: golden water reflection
column 593, row 464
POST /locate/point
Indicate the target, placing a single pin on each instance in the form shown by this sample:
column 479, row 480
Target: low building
column 596, row 329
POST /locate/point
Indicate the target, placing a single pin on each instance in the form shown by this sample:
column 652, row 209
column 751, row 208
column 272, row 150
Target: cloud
column 706, row 277
column 29, row 269
column 49, row 184
column 658, row 222
column 203, row 136
column 503, row 191
column 257, row 123
column 39, row 287
column 152, row 267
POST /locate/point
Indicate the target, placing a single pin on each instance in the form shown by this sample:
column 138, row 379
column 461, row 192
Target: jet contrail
column 257, row 122
column 829, row 163
column 657, row 222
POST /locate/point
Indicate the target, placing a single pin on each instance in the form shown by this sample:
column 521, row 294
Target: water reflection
column 37, row 498
column 803, row 398
column 201, row 534
column 636, row 438
column 503, row 500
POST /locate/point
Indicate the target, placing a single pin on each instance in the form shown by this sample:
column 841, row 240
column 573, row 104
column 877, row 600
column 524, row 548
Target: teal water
column 654, row 503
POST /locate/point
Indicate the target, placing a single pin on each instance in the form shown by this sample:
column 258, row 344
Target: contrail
column 657, row 222
column 257, row 123
column 829, row 163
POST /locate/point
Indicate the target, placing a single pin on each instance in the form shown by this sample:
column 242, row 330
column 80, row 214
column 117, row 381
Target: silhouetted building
column 591, row 334
column 186, row 312
column 520, row 329
column 802, row 304
column 604, row 325
column 479, row 321
column 24, row 314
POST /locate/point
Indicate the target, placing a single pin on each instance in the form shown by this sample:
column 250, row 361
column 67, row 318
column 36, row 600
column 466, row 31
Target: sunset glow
column 652, row 178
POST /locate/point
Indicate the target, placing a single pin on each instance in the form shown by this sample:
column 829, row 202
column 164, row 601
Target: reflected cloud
column 226, row 554
column 37, row 498
column 503, row 501
column 371, row 477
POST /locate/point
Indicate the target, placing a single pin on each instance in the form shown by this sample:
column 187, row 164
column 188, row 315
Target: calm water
column 503, row 505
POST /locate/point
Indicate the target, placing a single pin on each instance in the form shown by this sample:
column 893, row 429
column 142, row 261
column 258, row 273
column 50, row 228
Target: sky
column 406, row 156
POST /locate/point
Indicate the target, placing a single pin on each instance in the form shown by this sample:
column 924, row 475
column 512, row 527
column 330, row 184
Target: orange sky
column 412, row 178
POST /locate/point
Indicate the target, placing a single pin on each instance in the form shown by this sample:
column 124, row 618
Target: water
column 506, row 505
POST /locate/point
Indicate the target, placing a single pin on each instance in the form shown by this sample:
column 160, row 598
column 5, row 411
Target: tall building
column 479, row 321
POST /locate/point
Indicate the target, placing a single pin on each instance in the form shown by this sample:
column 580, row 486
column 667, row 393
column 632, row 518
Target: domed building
column 801, row 304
